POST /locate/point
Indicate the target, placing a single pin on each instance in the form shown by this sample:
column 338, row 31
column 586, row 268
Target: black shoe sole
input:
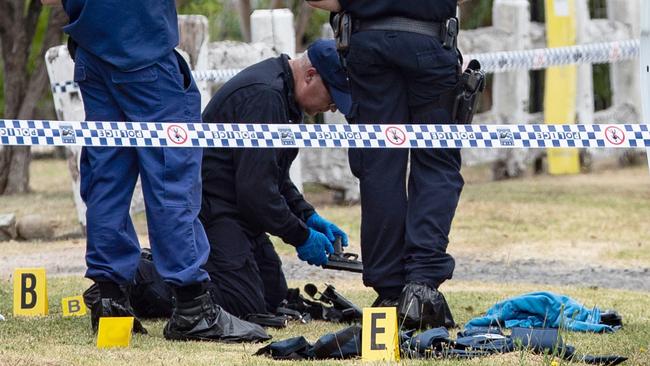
column 177, row 336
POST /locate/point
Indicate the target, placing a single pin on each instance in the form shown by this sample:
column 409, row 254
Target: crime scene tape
column 542, row 58
column 495, row 62
column 156, row 134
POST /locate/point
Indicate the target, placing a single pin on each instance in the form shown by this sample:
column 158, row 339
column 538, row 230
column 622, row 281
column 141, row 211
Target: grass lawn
column 599, row 218
column 54, row 340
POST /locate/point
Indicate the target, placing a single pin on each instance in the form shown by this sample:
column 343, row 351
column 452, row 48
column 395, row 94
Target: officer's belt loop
column 432, row 29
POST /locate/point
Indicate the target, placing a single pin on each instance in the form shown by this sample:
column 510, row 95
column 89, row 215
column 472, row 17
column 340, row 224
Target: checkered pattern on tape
column 594, row 53
column 217, row 76
column 65, row 133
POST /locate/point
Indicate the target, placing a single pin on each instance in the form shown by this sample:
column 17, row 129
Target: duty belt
column 446, row 31
column 398, row 24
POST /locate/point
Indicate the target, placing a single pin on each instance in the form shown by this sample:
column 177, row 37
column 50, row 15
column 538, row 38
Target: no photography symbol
column 395, row 135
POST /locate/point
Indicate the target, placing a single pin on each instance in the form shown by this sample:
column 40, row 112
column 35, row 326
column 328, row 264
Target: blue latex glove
column 314, row 251
column 330, row 230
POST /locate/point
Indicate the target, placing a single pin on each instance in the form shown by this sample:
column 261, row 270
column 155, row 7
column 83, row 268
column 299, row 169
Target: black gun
column 341, row 261
column 350, row 312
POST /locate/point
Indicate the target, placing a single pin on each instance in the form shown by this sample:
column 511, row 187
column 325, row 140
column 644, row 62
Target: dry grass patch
column 54, row 340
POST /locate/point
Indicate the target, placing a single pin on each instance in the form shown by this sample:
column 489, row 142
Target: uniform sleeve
column 299, row 206
column 257, row 176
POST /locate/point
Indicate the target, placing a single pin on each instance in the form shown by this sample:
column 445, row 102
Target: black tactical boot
column 119, row 307
column 385, row 302
column 202, row 320
column 421, row 307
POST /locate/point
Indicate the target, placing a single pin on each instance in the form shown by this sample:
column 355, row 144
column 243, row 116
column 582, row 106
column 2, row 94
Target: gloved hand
column 330, row 230
column 314, row 251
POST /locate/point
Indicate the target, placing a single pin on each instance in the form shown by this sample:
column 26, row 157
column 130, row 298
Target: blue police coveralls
column 127, row 70
column 248, row 193
column 394, row 76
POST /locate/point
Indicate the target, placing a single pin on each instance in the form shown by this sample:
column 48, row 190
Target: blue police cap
column 325, row 59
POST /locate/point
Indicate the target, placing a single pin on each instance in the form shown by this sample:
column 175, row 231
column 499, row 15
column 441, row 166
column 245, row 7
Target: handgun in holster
column 342, row 261
column 468, row 93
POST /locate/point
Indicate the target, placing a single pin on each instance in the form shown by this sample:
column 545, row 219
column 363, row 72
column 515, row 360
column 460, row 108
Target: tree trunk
column 18, row 172
column 244, row 7
column 302, row 22
column 22, row 88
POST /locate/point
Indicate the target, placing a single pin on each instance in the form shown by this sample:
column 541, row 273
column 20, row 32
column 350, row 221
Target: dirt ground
column 68, row 259
column 503, row 232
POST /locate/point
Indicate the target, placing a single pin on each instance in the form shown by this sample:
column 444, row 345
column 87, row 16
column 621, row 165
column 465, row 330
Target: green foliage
column 39, row 37
column 223, row 18
column 602, row 87
column 313, row 31
column 476, row 13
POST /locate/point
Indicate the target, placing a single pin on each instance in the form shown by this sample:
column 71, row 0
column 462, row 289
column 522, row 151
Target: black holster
column 342, row 25
column 471, row 86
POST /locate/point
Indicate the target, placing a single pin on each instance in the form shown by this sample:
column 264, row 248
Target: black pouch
column 427, row 342
column 342, row 25
column 296, row 348
column 150, row 296
column 611, row 318
column 345, row 343
column 309, row 309
column 268, row 320
column 341, row 310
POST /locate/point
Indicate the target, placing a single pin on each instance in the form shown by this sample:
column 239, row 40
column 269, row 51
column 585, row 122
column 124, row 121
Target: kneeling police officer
column 248, row 193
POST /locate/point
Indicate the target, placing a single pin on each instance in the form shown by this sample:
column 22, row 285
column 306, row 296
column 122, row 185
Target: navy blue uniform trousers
column 171, row 180
column 405, row 226
column 246, row 272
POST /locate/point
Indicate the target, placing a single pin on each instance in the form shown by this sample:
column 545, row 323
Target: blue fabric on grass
column 542, row 309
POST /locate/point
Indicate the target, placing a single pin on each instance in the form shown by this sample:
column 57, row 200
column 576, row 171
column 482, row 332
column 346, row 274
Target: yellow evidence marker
column 30, row 292
column 380, row 337
column 114, row 332
column 73, row 306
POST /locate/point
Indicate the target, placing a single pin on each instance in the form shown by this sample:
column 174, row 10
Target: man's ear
column 310, row 74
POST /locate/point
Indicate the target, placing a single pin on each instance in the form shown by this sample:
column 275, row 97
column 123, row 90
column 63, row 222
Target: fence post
column 624, row 77
column 585, row 88
column 194, row 37
column 275, row 27
column 511, row 89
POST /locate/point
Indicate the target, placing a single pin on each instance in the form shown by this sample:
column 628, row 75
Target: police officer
column 127, row 70
column 248, row 193
column 401, row 57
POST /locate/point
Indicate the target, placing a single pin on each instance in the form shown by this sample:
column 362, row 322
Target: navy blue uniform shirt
column 129, row 34
column 252, row 186
column 433, row 10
